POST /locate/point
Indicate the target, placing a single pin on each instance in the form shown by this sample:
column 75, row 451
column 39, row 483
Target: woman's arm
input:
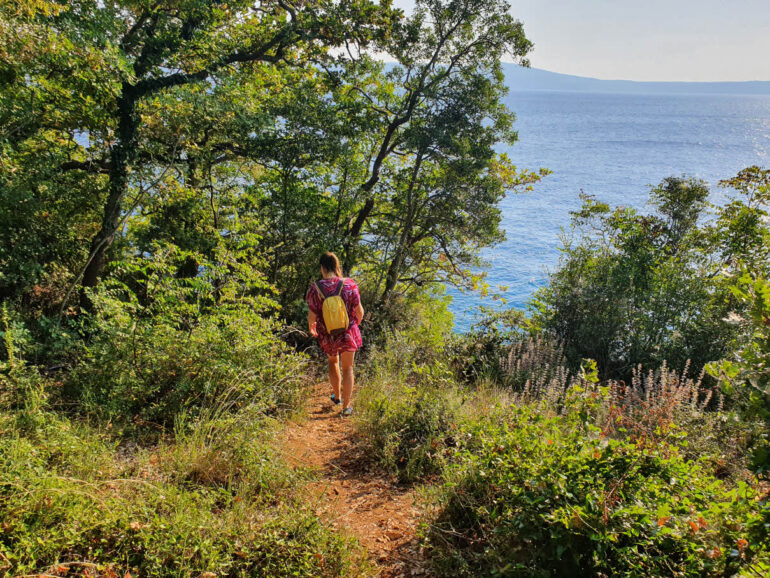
column 359, row 313
column 311, row 321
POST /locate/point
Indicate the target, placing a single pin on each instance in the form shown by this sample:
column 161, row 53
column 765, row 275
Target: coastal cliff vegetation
column 170, row 173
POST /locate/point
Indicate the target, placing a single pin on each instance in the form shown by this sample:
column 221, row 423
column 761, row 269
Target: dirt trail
column 353, row 496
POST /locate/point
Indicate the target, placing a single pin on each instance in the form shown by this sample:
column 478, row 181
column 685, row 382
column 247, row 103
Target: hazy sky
column 694, row 40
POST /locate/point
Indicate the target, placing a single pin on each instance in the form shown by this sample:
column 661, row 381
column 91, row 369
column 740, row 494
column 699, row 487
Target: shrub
column 160, row 344
column 534, row 364
column 638, row 288
column 654, row 407
column 408, row 429
column 746, row 378
column 410, row 402
column 538, row 495
column 481, row 353
column 420, row 322
column 654, row 402
column 70, row 501
column 22, row 388
column 664, row 406
column 406, row 412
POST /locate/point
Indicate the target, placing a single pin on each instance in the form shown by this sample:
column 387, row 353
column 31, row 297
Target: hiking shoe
column 335, row 400
column 347, row 412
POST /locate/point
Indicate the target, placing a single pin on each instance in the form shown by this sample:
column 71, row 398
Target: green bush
column 746, row 377
column 23, row 390
column 406, row 412
column 217, row 501
column 637, row 288
column 481, row 353
column 407, row 429
column 407, row 409
column 539, row 494
column 160, row 344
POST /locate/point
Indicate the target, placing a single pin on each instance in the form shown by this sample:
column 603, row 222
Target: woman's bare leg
column 346, row 359
column 334, row 375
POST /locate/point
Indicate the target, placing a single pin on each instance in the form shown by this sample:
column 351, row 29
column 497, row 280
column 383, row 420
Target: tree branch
column 95, row 167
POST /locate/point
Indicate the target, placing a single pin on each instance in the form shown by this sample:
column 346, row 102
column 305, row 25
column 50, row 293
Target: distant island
column 520, row 78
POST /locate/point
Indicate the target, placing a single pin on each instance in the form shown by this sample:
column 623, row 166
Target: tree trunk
column 405, row 239
column 391, row 279
column 121, row 156
column 354, row 234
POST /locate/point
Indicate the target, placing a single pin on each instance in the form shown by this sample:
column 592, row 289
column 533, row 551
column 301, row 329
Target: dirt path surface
column 352, row 495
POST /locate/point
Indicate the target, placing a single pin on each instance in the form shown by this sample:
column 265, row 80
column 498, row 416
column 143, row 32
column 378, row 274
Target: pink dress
column 351, row 339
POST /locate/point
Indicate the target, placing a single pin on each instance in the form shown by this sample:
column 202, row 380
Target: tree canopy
column 274, row 125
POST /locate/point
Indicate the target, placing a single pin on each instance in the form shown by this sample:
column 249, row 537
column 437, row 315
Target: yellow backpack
column 335, row 313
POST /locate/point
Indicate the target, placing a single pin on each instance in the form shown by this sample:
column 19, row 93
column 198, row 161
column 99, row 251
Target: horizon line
column 638, row 81
column 752, row 81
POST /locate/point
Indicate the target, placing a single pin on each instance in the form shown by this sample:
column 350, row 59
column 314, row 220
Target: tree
column 741, row 231
column 642, row 289
column 444, row 42
column 146, row 49
column 52, row 89
column 409, row 145
column 199, row 123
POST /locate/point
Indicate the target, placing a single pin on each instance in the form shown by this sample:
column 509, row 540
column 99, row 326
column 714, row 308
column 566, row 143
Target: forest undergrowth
column 565, row 474
column 170, row 173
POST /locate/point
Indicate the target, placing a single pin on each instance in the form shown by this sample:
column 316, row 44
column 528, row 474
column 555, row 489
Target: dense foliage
column 637, row 288
column 159, row 345
column 169, row 174
column 534, row 495
column 569, row 476
column 126, row 124
column 747, row 378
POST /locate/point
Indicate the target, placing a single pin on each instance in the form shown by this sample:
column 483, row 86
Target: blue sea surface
column 612, row 146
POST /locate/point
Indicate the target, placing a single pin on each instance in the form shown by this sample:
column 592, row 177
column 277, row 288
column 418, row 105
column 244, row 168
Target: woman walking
column 342, row 339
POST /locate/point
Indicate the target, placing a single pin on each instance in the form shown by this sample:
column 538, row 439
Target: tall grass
column 534, row 364
column 539, row 469
column 210, row 494
column 216, row 499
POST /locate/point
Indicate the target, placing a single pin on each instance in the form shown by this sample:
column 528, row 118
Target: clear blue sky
column 685, row 40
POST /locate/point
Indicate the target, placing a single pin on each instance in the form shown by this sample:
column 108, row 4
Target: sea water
column 612, row 146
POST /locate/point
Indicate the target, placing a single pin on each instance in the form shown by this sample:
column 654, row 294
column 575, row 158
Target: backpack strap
column 337, row 291
column 317, row 286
